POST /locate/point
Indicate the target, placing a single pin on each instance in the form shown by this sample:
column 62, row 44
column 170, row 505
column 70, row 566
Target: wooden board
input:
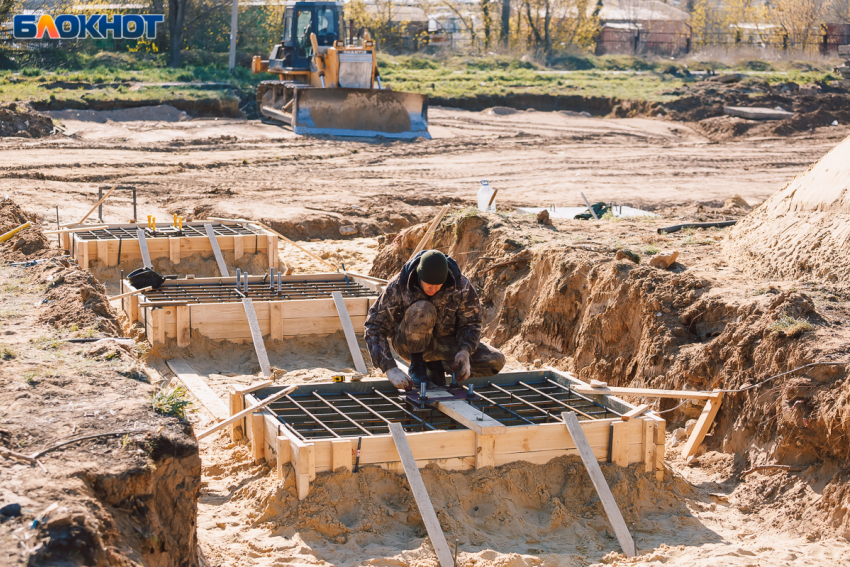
column 219, row 259
column 143, row 247
column 257, row 336
column 174, row 249
column 470, row 417
column 420, row 494
column 608, row 502
column 183, row 331
column 199, row 388
column 485, row 451
column 348, row 329
column 648, row 392
column 635, row 412
column 704, row 422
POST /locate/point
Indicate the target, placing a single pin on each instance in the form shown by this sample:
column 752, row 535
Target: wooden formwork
column 278, row 317
column 638, row 440
column 105, row 243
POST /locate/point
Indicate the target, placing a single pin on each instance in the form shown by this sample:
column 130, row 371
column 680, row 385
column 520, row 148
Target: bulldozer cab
column 302, row 19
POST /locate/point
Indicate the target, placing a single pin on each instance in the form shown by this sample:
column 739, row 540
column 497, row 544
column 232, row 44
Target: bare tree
column 801, row 19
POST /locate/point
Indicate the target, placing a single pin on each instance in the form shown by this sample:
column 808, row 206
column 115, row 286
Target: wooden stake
column 234, row 418
column 222, row 267
column 608, row 502
column 704, row 422
column 257, row 336
column 96, row 205
column 430, row 232
column 129, row 293
column 78, row 229
column 350, row 337
column 420, row 494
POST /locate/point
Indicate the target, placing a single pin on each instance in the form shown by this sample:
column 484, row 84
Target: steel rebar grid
column 166, row 231
column 330, row 416
column 258, row 291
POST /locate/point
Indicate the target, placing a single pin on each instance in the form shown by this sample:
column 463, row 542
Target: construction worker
column 431, row 315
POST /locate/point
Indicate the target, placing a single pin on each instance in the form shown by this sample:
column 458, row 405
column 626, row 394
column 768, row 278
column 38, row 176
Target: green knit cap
column 433, row 268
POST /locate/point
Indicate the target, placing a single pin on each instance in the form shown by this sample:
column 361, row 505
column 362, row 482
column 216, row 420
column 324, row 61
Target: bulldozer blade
column 360, row 112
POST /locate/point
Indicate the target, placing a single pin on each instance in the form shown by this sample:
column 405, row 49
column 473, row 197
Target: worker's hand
column 399, row 379
column 461, row 366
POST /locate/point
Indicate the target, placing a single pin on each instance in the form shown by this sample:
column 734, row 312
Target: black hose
column 678, row 227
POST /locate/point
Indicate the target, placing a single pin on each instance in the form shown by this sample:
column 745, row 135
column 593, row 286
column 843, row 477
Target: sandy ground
column 253, row 169
column 247, row 168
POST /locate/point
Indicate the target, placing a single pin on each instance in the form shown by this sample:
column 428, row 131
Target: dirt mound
column 18, row 119
column 704, row 102
column 75, row 298
column 127, row 495
column 634, row 325
column 801, row 231
column 27, row 244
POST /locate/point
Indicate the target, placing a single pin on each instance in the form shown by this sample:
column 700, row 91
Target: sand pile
column 802, row 231
column 517, row 515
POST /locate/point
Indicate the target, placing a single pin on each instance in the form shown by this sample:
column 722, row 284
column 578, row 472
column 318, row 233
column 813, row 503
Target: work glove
column 399, row 379
column 461, row 366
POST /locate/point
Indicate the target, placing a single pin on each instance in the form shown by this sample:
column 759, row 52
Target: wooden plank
column 420, row 494
column 257, row 386
column 284, row 454
column 649, row 445
column 129, row 293
column 198, row 387
column 551, row 436
column 271, row 249
column 258, row 432
column 348, row 329
column 620, row 444
column 608, row 502
column 430, row 445
column 247, row 411
column 704, row 422
column 222, row 267
column 174, row 249
column 143, row 247
column 635, row 412
column 304, row 462
column 257, row 336
column 102, row 247
column 84, row 256
column 183, row 330
column 238, row 246
column 454, row 464
column 471, row 418
column 276, row 320
column 157, row 316
column 485, row 451
column 270, row 429
column 648, row 392
column 660, row 448
column 341, row 455
column 429, row 232
column 67, row 231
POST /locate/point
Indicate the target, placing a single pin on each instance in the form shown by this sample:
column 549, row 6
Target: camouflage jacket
column 458, row 312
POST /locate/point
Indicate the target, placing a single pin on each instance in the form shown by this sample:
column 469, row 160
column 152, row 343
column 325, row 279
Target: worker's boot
column 418, row 371
column 436, row 372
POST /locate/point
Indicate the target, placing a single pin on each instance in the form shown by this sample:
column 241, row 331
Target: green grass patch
column 171, row 402
column 45, row 342
column 650, row 250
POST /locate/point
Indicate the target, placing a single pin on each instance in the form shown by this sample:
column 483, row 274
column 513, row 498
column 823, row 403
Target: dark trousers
column 416, row 334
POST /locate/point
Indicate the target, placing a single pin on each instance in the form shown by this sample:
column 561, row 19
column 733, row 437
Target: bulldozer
column 329, row 86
